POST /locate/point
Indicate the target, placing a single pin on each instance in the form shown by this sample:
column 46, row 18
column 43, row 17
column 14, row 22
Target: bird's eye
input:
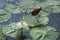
column 35, row 11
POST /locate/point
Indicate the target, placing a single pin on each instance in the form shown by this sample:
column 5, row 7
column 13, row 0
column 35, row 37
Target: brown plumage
column 35, row 11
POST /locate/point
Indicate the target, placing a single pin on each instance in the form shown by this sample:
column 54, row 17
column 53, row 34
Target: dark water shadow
column 55, row 22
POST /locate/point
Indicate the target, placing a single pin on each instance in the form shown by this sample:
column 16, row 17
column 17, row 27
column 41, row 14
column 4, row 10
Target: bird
column 35, row 11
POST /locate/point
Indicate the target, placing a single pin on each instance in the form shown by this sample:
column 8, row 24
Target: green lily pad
column 27, row 5
column 42, row 13
column 43, row 20
column 44, row 33
column 38, row 33
column 52, row 2
column 46, row 11
column 12, row 29
column 14, row 26
column 4, row 15
column 52, row 9
column 13, row 8
column 1, row 33
column 31, row 20
column 56, row 9
column 17, row 10
column 7, row 30
column 10, row 8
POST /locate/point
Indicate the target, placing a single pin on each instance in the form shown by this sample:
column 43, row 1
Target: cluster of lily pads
column 36, row 26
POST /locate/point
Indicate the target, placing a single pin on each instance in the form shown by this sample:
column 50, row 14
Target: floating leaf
column 52, row 2
column 52, row 9
column 7, row 30
column 38, row 33
column 1, row 33
column 14, row 26
column 4, row 15
column 26, row 28
column 44, row 33
column 43, row 20
column 46, row 11
column 17, row 10
column 10, row 8
column 12, row 1
column 56, row 8
column 42, row 13
column 31, row 20
column 12, row 29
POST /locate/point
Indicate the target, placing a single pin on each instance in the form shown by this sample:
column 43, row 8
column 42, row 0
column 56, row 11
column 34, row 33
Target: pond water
column 54, row 20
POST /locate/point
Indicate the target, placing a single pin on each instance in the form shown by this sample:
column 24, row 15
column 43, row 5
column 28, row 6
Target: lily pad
column 52, row 2
column 10, row 8
column 56, row 8
column 52, row 9
column 29, row 4
column 38, row 33
column 12, row 1
column 44, row 33
column 43, row 20
column 1, row 33
column 31, row 20
column 7, row 30
column 12, row 29
column 4, row 15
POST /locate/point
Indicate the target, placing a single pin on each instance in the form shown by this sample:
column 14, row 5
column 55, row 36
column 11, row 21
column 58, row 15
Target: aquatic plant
column 36, row 26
